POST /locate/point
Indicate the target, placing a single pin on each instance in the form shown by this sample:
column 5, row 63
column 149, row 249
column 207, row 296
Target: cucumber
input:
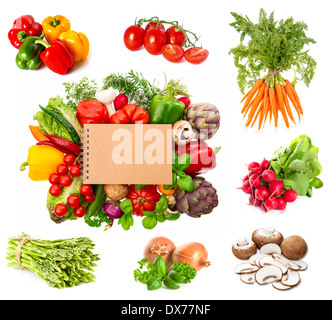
column 96, row 206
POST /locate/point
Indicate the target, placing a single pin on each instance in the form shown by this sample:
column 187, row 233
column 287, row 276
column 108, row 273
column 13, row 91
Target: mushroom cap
column 294, row 248
column 183, row 132
column 265, row 236
column 244, row 249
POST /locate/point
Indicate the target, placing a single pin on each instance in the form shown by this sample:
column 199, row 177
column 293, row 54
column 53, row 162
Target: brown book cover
column 127, row 154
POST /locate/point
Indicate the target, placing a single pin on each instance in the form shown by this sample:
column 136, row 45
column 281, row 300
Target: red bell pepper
column 56, row 56
column 144, row 199
column 22, row 27
column 131, row 113
column 92, row 111
column 203, row 158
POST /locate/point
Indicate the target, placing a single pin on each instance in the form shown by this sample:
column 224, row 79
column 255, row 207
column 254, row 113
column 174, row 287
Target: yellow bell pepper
column 42, row 161
column 77, row 43
column 54, row 26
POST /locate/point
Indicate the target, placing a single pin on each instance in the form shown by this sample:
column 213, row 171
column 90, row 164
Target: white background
column 23, row 202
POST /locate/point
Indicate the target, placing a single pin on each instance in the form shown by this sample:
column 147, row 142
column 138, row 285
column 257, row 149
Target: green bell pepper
column 28, row 54
column 166, row 109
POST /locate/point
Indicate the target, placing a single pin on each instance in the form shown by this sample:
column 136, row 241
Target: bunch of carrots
column 267, row 97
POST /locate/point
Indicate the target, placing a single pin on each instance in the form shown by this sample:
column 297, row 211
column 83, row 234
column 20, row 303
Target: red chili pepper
column 92, row 111
column 56, row 56
column 131, row 113
column 22, row 27
column 203, row 158
column 144, row 199
column 66, row 144
column 52, row 144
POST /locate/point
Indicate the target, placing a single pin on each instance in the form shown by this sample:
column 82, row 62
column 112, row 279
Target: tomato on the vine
column 75, row 170
column 134, row 37
column 196, row 55
column 175, row 36
column 86, row 190
column 89, row 198
column 79, row 211
column 62, row 169
column 154, row 40
column 73, row 201
column 69, row 159
column 154, row 25
column 65, row 181
column 54, row 178
column 55, row 190
column 172, row 52
column 60, row 210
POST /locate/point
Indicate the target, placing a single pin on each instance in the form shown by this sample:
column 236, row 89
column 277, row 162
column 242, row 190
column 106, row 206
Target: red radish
column 265, row 164
column 253, row 165
column 186, row 101
column 261, row 193
column 282, row 204
column 120, row 101
column 255, row 180
column 290, row 195
column 246, row 178
column 257, row 170
column 254, row 202
column 270, row 203
column 246, row 187
column 276, row 188
column 269, row 175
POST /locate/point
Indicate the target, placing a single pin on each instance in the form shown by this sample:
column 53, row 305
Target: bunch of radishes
column 265, row 190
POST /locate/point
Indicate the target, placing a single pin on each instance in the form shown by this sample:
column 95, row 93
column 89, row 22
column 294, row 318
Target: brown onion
column 159, row 246
column 193, row 253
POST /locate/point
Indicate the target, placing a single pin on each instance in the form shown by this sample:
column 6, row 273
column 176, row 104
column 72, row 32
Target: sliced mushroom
column 301, row 264
column 245, row 268
column 248, row 278
column 291, row 278
column 289, row 264
column 244, row 249
column 265, row 236
column 270, row 249
column 269, row 261
column 183, row 132
column 259, row 257
column 268, row 275
column 279, row 286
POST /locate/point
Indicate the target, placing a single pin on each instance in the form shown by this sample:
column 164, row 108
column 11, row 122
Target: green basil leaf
column 139, row 187
column 126, row 206
column 126, row 221
column 178, row 277
column 162, row 204
column 154, row 283
column 186, row 183
column 149, row 213
column 172, row 216
column 171, row 284
column 149, row 222
column 161, row 217
column 159, row 265
column 184, row 162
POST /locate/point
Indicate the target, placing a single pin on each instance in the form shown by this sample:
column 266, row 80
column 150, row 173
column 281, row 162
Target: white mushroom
column 268, row 275
column 244, row 249
column 107, row 98
column 183, row 132
column 248, row 278
column 291, row 278
column 265, row 236
column 270, row 249
column 289, row 264
column 269, row 261
column 245, row 268
column 279, row 286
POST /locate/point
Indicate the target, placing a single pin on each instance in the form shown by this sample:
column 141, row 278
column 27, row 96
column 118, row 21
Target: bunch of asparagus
column 61, row 263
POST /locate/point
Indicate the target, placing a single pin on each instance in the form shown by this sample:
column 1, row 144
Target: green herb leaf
column 186, row 183
column 126, row 206
column 149, row 222
column 162, row 204
column 154, row 283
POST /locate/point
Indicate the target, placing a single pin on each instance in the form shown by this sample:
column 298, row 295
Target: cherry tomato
column 79, row 211
column 62, row 169
column 73, row 201
column 60, row 210
column 175, row 36
column 55, row 190
column 75, row 170
column 154, row 40
column 154, row 25
column 86, row 190
column 196, row 55
column 89, row 198
column 172, row 52
column 54, row 178
column 134, row 37
column 186, row 101
column 65, row 180
column 69, row 159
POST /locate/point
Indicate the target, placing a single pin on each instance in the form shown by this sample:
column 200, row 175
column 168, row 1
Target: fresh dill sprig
column 271, row 44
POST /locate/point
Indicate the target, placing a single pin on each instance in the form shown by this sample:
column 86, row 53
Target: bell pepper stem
column 216, row 150
column 23, row 166
column 169, row 93
column 55, row 22
column 45, row 44
column 22, row 35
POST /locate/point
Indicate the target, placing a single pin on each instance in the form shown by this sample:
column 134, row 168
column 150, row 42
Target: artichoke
column 204, row 118
column 201, row 201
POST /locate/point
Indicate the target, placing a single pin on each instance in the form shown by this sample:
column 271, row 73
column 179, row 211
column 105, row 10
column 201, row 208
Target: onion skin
column 193, row 253
column 159, row 246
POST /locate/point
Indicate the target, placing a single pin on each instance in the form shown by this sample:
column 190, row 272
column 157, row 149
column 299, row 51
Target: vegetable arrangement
column 61, row 50
column 57, row 156
column 273, row 47
column 61, row 263
column 168, row 265
column 170, row 42
column 290, row 173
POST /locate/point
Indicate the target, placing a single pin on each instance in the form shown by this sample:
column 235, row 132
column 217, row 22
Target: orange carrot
column 288, row 108
column 268, row 110
column 265, row 105
column 297, row 99
column 259, row 112
column 281, row 103
column 252, row 93
column 273, row 98
column 291, row 97
column 37, row 134
column 255, row 103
